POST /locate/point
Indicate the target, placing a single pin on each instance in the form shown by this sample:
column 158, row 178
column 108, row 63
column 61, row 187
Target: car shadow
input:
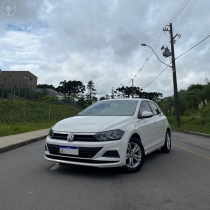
column 90, row 171
column 105, row 173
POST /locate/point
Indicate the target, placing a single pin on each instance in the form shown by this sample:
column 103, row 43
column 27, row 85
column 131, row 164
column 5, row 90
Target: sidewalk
column 13, row 141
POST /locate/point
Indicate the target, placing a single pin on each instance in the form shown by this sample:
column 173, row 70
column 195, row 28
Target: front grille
column 84, row 152
column 84, row 138
column 80, row 160
column 63, row 136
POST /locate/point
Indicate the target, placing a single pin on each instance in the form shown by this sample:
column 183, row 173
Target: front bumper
column 95, row 154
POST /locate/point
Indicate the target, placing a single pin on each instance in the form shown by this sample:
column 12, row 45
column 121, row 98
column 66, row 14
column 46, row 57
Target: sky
column 100, row 40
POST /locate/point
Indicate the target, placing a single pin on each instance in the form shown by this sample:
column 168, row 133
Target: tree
column 123, row 92
column 82, row 102
column 154, row 96
column 91, row 91
column 195, row 87
column 94, row 98
column 45, row 86
column 126, row 92
column 102, row 98
column 107, row 97
column 206, row 80
column 67, row 89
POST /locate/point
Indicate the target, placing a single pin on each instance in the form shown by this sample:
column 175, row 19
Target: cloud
column 101, row 41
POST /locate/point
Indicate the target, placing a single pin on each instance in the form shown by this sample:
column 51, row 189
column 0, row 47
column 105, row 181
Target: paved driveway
column 178, row 180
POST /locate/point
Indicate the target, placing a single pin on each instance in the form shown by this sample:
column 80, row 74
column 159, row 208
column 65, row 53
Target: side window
column 144, row 107
column 155, row 109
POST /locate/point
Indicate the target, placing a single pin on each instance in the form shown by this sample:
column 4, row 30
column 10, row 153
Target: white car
column 110, row 133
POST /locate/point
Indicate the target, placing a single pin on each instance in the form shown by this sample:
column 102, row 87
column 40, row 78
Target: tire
column 134, row 156
column 167, row 146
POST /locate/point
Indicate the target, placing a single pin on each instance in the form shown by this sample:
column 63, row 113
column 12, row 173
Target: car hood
column 91, row 124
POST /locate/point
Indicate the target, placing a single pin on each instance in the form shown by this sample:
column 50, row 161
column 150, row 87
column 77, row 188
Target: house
column 18, row 79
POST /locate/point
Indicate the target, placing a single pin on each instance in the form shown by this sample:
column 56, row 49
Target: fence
column 15, row 90
column 16, row 111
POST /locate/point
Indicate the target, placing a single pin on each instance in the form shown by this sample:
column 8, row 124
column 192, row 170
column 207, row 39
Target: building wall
column 19, row 79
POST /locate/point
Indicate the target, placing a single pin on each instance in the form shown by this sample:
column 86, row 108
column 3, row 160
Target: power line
column 159, row 40
column 162, row 34
column 175, row 12
column 157, row 76
column 179, row 11
column 176, row 58
column 193, row 46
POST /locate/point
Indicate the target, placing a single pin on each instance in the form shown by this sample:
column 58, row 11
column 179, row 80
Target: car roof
column 127, row 99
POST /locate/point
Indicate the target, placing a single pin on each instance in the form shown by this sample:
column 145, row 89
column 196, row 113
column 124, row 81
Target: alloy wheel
column 134, row 155
column 168, row 141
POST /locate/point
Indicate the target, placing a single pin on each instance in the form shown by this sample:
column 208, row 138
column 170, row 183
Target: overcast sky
column 100, row 40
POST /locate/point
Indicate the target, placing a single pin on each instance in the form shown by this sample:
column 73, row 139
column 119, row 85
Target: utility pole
column 176, row 102
column 132, row 88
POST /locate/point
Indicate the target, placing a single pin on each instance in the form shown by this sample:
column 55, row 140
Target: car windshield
column 111, row 108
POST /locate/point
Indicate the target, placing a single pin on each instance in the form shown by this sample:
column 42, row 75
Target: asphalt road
column 178, row 180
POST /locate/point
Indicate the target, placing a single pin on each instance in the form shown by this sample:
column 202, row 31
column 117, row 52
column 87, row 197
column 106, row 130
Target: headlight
column 110, row 135
column 51, row 133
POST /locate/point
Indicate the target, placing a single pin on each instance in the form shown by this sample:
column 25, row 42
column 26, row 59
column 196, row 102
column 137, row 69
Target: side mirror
column 146, row 114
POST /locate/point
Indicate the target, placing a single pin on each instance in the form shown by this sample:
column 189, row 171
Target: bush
column 195, row 123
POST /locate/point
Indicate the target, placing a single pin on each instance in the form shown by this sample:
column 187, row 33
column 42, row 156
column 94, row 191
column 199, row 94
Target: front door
column 146, row 127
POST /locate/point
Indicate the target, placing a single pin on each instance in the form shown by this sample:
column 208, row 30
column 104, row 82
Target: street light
column 173, row 67
column 156, row 55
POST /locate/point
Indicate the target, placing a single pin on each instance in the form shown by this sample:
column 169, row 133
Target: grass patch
column 21, row 128
column 192, row 123
column 23, row 116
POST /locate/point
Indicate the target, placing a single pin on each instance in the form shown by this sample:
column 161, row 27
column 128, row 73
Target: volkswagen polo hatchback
column 110, row 133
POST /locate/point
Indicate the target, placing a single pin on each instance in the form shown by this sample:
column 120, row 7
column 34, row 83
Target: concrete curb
column 14, row 146
column 191, row 132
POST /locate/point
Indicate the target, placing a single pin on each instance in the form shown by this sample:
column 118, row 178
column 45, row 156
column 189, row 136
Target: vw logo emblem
column 70, row 137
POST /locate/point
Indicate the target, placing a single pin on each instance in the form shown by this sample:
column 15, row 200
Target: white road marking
column 55, row 167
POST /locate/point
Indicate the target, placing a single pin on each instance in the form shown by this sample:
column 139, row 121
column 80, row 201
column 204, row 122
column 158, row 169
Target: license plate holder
column 69, row 150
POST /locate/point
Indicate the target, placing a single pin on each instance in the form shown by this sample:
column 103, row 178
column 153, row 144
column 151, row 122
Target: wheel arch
column 169, row 130
column 136, row 135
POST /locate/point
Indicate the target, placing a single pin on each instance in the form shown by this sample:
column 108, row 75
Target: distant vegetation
column 85, row 94
column 194, row 104
column 19, row 116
